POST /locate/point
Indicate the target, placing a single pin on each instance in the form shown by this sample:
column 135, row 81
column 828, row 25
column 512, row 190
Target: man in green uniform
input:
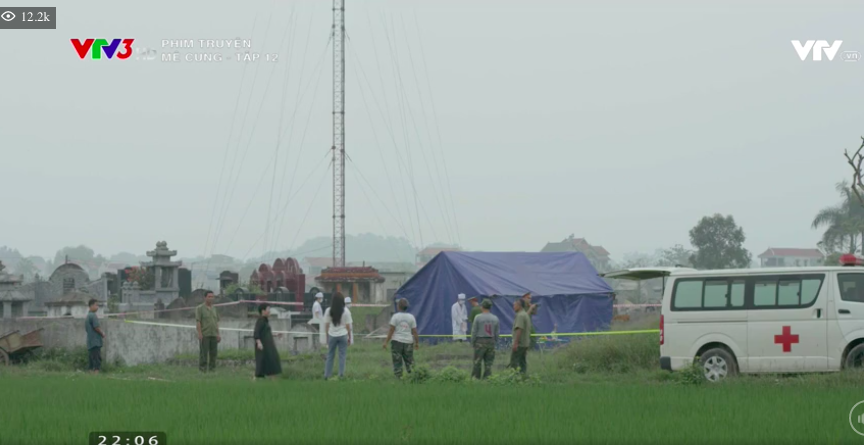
column 521, row 338
column 484, row 337
column 475, row 311
column 532, row 311
column 207, row 321
column 94, row 338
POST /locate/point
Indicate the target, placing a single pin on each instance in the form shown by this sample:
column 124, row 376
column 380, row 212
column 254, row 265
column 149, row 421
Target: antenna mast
column 338, row 133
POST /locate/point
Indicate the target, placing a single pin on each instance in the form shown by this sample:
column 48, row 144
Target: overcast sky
column 614, row 121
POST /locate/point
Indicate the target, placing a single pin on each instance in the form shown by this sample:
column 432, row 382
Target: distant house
column 313, row 267
column 597, row 255
column 426, row 255
column 786, row 257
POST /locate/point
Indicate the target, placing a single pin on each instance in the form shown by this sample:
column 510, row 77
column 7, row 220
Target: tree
column 26, row 268
column 674, row 256
column 719, row 244
column 844, row 222
column 855, row 161
column 141, row 275
column 81, row 253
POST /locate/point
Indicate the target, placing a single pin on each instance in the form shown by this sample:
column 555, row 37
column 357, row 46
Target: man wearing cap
column 348, row 310
column 484, row 337
column 317, row 312
column 403, row 333
column 459, row 318
column 475, row 311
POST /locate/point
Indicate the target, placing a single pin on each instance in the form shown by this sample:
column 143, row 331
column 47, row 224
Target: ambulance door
column 787, row 323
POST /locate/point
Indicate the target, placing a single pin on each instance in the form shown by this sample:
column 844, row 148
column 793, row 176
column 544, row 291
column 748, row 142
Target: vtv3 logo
column 99, row 46
column 817, row 46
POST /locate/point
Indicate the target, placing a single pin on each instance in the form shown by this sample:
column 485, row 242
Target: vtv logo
column 101, row 45
column 817, row 46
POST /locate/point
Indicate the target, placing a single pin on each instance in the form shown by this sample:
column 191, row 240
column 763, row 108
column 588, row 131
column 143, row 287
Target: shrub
column 610, row 353
column 691, row 375
column 74, row 359
column 420, row 374
column 505, row 378
column 450, row 374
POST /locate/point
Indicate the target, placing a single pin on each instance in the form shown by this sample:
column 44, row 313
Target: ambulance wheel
column 717, row 364
column 855, row 358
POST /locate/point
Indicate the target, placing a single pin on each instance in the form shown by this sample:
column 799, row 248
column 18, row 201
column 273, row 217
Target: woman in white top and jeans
column 337, row 322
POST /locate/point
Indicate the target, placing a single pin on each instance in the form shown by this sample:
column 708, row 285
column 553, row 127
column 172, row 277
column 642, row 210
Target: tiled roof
column 12, row 295
column 792, row 252
column 601, row 251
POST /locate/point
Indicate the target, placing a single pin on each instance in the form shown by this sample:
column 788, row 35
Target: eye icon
column 8, row 16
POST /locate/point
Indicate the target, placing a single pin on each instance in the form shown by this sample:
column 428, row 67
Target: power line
column 303, row 137
column 437, row 129
column 444, row 214
column 400, row 98
column 278, row 135
column 389, row 125
column 227, row 147
column 226, row 203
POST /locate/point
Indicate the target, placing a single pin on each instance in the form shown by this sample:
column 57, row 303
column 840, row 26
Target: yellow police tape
column 561, row 334
column 564, row 334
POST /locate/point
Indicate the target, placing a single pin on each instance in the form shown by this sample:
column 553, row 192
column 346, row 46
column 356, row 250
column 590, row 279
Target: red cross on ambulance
column 786, row 339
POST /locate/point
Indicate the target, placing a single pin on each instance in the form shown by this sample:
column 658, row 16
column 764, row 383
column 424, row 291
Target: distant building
column 284, row 275
column 395, row 274
column 362, row 284
column 786, row 257
column 597, row 255
column 12, row 302
column 314, row 265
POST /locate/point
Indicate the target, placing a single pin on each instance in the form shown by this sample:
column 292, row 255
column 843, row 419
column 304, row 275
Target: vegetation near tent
column 843, row 223
column 719, row 244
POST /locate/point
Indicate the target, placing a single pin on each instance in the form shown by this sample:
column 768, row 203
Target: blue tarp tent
column 571, row 294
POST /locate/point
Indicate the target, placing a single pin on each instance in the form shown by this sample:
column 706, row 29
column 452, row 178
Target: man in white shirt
column 459, row 318
column 403, row 333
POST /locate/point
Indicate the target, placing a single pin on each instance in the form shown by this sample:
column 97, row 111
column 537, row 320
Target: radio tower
column 338, row 133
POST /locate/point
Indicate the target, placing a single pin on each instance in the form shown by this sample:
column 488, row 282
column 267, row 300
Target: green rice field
column 604, row 390
column 62, row 410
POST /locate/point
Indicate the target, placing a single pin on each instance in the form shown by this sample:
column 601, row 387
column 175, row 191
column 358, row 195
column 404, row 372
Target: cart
column 15, row 346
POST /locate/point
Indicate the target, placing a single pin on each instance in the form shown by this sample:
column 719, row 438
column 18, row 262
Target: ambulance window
column 809, row 290
column 688, row 294
column 851, row 287
column 715, row 293
column 765, row 293
column 789, row 293
column 736, row 296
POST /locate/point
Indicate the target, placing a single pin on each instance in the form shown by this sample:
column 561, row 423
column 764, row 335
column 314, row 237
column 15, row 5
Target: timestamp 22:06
column 128, row 438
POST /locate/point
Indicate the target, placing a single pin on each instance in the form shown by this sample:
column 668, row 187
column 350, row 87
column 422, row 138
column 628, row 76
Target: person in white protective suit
column 459, row 318
column 348, row 309
column 317, row 311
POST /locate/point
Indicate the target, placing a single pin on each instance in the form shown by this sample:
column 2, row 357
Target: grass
column 595, row 390
column 234, row 411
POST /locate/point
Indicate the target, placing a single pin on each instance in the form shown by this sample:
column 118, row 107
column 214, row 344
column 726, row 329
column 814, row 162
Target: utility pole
column 338, row 148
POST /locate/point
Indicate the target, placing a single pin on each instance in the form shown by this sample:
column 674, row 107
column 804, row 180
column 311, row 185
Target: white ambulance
column 779, row 320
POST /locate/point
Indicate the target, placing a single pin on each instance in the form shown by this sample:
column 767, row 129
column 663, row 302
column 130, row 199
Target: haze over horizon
column 622, row 124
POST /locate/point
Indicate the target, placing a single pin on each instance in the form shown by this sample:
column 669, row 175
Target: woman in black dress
column 267, row 362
